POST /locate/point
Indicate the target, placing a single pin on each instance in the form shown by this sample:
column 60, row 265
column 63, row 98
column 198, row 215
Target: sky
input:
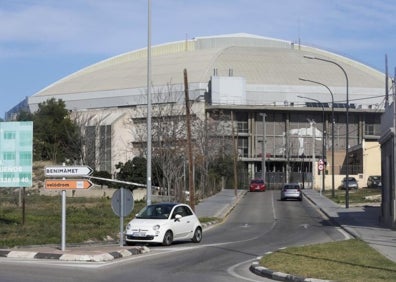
column 42, row 41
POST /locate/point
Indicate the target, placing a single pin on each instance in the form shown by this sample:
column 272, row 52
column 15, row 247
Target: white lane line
column 231, row 270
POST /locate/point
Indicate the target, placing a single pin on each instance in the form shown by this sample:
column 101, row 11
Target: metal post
column 263, row 168
column 149, row 105
column 347, row 124
column 313, row 152
column 122, row 217
column 332, row 133
column 63, row 243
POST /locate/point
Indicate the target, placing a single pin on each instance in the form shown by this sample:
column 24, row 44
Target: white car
column 164, row 223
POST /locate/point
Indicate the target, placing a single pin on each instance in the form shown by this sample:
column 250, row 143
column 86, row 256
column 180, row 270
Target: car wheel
column 168, row 238
column 197, row 235
column 129, row 243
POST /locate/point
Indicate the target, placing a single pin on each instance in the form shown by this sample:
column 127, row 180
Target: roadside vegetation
column 87, row 220
column 356, row 197
column 350, row 260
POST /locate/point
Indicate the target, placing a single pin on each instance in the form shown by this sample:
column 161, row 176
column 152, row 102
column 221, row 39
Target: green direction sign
column 16, row 154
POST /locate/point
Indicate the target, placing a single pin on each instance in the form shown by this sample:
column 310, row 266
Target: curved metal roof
column 263, row 62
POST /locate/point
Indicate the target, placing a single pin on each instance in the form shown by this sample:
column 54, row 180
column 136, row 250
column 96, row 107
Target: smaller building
column 387, row 141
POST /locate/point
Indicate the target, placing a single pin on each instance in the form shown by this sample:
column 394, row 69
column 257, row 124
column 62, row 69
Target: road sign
column 67, row 171
column 321, row 167
column 321, row 162
column 126, row 205
column 67, row 184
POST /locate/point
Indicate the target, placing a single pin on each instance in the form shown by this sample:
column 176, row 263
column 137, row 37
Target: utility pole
column 263, row 168
column 189, row 146
column 235, row 155
column 313, row 152
column 149, row 114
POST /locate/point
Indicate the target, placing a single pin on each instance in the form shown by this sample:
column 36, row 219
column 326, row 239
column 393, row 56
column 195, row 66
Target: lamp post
column 149, row 114
column 347, row 123
column 263, row 168
column 303, row 169
column 332, row 132
column 323, row 138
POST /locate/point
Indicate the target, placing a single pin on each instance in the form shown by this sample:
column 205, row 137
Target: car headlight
column 156, row 227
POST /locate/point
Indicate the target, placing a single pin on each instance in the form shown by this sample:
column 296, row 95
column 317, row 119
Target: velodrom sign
column 16, row 154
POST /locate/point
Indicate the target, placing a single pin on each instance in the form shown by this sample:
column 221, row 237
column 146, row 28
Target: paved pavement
column 360, row 222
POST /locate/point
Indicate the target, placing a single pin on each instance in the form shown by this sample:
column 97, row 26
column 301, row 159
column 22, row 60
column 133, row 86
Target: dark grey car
column 374, row 181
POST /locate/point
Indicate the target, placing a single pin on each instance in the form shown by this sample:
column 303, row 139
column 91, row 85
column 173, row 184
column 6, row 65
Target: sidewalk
column 216, row 206
column 360, row 222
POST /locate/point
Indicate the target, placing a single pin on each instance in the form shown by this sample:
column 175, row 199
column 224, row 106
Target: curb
column 109, row 256
column 279, row 276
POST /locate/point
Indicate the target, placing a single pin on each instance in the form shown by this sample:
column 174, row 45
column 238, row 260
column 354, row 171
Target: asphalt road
column 258, row 224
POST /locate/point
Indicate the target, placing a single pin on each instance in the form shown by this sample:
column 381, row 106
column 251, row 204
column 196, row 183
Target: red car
column 257, row 185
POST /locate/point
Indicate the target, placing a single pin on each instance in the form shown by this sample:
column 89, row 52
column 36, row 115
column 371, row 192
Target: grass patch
column 87, row 219
column 350, row 260
column 359, row 196
column 208, row 219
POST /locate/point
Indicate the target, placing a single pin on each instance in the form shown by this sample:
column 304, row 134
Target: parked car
column 291, row 191
column 164, row 223
column 257, row 185
column 351, row 183
column 374, row 181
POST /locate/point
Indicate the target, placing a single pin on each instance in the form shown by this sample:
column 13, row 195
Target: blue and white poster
column 16, row 154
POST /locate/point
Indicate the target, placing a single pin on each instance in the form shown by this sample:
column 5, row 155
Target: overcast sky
column 42, row 41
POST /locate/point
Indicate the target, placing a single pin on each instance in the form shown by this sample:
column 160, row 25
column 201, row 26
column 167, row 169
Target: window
column 242, row 127
column 9, row 135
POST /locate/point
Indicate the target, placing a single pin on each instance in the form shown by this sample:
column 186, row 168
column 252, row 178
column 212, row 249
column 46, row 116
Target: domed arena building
column 243, row 89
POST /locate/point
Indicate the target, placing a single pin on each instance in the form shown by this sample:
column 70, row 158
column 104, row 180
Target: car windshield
column 158, row 211
column 375, row 177
column 351, row 179
column 290, row 186
column 257, row 181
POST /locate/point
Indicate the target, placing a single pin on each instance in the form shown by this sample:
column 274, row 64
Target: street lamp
column 323, row 138
column 347, row 124
column 149, row 114
column 332, row 132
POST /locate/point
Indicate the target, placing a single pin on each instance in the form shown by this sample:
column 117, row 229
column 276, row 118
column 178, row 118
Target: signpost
column 122, row 204
column 67, row 184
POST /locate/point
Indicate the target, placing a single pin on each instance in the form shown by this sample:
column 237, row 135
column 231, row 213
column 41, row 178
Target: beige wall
column 371, row 166
column 371, row 159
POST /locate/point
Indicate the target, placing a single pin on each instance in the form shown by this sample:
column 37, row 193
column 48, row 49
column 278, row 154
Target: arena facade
column 240, row 77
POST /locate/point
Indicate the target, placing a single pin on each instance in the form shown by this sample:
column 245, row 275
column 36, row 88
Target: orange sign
column 67, row 184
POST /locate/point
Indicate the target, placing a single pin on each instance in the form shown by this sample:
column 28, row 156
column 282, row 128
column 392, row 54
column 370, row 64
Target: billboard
column 16, row 154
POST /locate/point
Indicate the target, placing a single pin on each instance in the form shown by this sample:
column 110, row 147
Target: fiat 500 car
column 164, row 223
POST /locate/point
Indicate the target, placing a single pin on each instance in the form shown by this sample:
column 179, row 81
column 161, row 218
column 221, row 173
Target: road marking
column 273, row 207
column 231, row 270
